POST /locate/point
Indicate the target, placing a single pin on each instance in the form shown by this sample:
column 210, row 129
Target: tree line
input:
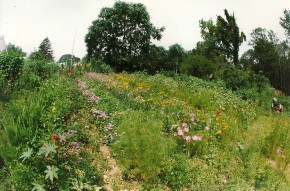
column 122, row 37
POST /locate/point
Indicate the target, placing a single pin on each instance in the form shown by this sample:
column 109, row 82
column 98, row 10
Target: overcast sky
column 27, row 22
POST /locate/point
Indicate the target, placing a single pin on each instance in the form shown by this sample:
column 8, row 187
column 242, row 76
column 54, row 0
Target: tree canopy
column 221, row 40
column 46, row 50
column 121, row 36
column 68, row 58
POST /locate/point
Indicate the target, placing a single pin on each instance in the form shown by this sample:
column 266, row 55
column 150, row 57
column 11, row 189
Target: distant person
column 277, row 107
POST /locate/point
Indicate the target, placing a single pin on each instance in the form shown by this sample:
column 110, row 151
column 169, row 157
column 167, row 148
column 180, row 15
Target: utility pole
column 72, row 51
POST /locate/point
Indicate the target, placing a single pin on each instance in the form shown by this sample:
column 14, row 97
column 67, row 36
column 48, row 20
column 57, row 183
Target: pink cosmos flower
column 196, row 138
column 192, row 119
column 180, row 132
column 187, row 138
column 184, row 125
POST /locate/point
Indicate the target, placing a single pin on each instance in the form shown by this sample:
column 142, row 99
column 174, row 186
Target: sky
column 27, row 23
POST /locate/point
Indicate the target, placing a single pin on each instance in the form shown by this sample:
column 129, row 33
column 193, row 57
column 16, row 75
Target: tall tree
column 285, row 22
column 46, row 50
column 229, row 36
column 121, row 36
column 221, row 40
column 176, row 54
column 265, row 55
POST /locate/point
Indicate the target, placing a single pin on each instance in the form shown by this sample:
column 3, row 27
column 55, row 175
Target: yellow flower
column 219, row 132
column 53, row 109
column 166, row 102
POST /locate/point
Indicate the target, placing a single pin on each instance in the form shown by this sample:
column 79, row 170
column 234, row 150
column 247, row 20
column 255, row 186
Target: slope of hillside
column 140, row 132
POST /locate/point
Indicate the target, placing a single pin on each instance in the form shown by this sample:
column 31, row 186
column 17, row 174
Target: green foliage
column 221, row 40
column 11, row 63
column 121, row 36
column 141, row 148
column 276, row 144
column 38, row 119
column 175, row 57
column 68, row 59
column 199, row 66
column 27, row 154
column 177, row 175
column 245, row 83
column 13, row 48
column 37, row 187
column 229, row 37
column 46, row 50
column 51, row 173
column 99, row 66
column 50, row 147
column 42, row 68
column 285, row 22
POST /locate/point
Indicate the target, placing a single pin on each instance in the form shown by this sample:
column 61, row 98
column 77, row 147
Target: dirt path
column 113, row 175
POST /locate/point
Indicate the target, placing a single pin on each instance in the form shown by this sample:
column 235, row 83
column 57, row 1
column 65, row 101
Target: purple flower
column 48, row 167
column 87, row 127
column 71, row 131
column 279, row 151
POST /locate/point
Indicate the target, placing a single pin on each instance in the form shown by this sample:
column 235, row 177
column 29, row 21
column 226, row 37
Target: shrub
column 11, row 64
column 141, row 149
column 199, row 66
column 101, row 67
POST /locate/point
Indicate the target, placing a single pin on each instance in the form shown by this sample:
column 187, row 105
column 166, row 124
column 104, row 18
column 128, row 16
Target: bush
column 199, row 66
column 101, row 67
column 42, row 68
column 11, row 64
column 141, row 149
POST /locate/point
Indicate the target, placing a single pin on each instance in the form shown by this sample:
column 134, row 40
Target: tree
column 12, row 47
column 221, row 40
column 229, row 36
column 265, row 55
column 175, row 56
column 209, row 47
column 198, row 65
column 68, row 58
column 46, row 50
column 285, row 22
column 121, row 36
column 157, row 59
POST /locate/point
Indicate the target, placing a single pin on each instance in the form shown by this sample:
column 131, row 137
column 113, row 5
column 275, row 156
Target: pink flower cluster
column 109, row 126
column 99, row 114
column 73, row 148
column 181, row 132
column 89, row 94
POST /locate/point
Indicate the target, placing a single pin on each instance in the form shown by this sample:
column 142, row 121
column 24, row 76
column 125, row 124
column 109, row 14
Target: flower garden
column 165, row 133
